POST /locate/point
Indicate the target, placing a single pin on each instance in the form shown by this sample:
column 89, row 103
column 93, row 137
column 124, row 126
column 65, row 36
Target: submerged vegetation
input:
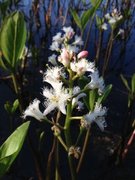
column 80, row 53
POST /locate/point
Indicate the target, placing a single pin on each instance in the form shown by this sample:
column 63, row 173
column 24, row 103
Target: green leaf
column 96, row 3
column 133, row 83
column 92, row 98
column 86, row 17
column 105, row 94
column 90, row 12
column 125, row 82
column 76, row 18
column 11, row 147
column 13, row 38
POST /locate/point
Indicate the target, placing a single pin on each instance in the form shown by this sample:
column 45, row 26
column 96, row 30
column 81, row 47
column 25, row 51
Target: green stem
column 16, row 88
column 108, row 53
column 99, row 47
column 62, row 143
column 49, row 162
column 68, row 140
column 76, row 118
column 83, row 150
column 15, row 83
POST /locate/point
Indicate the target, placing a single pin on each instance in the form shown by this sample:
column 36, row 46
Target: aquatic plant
column 64, row 96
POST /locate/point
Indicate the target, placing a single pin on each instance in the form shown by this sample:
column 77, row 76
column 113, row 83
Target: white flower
column 122, row 33
column 104, row 26
column 56, row 98
column 58, row 38
column 52, row 59
column 80, row 106
column 99, row 110
column 69, row 32
column 75, row 101
column 112, row 20
column 72, row 49
column 107, row 16
column 96, row 82
column 54, row 46
column 78, row 40
column 114, row 17
column 97, row 116
column 53, row 76
column 33, row 111
column 82, row 66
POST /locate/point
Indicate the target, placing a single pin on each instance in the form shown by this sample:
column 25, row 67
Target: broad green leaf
column 105, row 94
column 133, row 83
column 13, row 38
column 125, row 82
column 76, row 18
column 86, row 17
column 11, row 147
column 92, row 98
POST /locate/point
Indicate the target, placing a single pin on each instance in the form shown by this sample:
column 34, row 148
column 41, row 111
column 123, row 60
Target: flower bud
column 64, row 58
column 82, row 54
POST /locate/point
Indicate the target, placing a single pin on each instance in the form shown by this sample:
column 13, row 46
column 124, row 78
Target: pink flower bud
column 64, row 58
column 82, row 54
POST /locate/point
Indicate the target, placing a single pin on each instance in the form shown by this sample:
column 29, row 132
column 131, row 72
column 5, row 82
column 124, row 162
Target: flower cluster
column 62, row 81
column 113, row 17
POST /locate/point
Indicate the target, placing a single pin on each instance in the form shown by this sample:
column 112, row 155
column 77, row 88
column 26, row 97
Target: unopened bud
column 82, row 54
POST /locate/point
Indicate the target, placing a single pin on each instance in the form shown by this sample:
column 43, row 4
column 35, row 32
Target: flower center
column 55, row 98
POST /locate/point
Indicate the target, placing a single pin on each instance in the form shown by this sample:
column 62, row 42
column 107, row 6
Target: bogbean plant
column 73, row 92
